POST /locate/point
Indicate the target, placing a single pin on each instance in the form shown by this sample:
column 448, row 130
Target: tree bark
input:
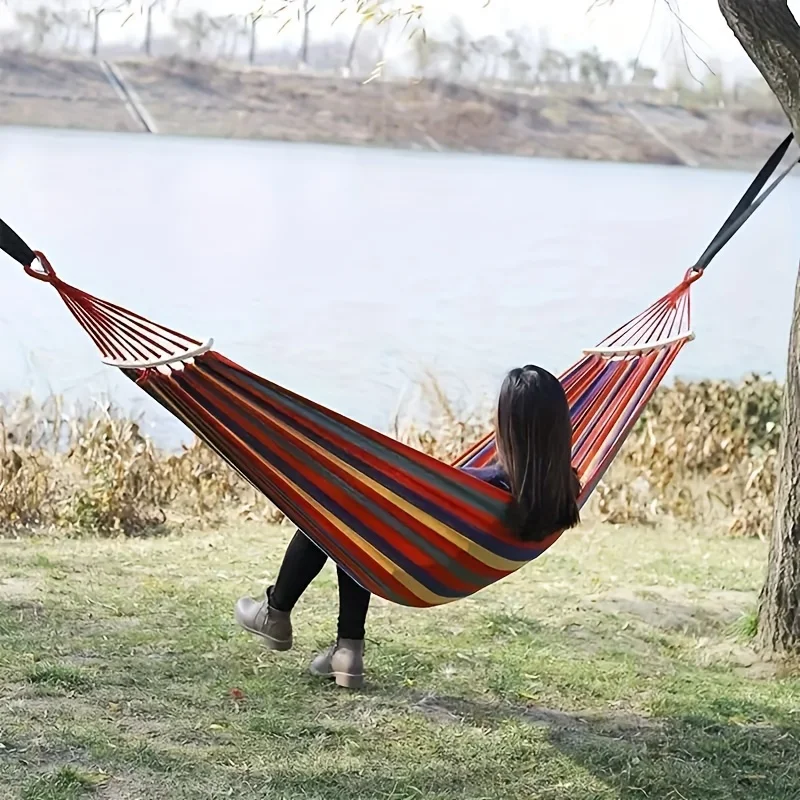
column 779, row 606
column 770, row 35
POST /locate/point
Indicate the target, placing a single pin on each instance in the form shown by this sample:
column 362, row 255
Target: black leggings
column 301, row 564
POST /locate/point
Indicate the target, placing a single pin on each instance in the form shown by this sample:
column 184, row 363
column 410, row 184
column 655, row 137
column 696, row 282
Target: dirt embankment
column 186, row 98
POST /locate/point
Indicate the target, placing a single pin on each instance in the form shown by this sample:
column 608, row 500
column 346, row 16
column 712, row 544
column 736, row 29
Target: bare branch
column 683, row 27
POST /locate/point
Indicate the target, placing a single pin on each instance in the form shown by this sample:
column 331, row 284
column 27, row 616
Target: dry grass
column 704, row 451
column 93, row 471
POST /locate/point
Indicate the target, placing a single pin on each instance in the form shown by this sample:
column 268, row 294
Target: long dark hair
column 534, row 447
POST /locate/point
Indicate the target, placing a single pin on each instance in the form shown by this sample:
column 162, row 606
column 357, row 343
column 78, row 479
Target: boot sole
column 271, row 643
column 343, row 679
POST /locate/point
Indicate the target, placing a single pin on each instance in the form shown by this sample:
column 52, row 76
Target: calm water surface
column 345, row 274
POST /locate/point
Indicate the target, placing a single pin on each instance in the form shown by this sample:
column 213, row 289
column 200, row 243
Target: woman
column 534, row 443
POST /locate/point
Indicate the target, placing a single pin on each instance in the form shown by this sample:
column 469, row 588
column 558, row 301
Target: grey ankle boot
column 343, row 661
column 260, row 618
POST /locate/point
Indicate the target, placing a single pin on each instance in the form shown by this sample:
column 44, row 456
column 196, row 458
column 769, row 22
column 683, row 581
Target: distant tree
column 352, row 48
column 368, row 14
column 36, row 25
column 426, row 53
column 95, row 13
column 459, row 49
column 304, row 43
column 554, row 66
column 193, row 31
column 490, row 50
column 226, row 31
column 383, row 41
column 585, row 67
column 641, row 75
column 567, row 65
column 713, row 85
column 606, row 72
column 149, row 11
column 252, row 21
column 615, row 73
column 593, row 70
column 73, row 24
column 519, row 67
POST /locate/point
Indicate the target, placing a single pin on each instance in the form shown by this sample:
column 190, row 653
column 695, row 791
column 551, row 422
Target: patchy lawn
column 611, row 668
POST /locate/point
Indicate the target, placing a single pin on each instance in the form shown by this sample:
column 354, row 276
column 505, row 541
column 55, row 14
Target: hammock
column 404, row 525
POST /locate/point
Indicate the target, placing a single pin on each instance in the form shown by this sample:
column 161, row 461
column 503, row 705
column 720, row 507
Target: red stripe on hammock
column 391, row 536
column 484, row 520
column 254, row 470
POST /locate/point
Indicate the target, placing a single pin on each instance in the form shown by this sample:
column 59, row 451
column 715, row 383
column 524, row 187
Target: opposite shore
column 185, row 98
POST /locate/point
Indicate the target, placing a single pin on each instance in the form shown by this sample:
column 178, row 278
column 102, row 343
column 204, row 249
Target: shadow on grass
column 728, row 750
column 682, row 755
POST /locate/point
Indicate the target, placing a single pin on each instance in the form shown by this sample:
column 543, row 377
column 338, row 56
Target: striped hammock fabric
column 405, row 526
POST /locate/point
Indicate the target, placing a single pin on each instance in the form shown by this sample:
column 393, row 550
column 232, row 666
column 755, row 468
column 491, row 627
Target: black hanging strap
column 749, row 203
column 11, row 244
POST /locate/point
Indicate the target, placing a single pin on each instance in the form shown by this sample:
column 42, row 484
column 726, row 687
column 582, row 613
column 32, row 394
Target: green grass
column 56, row 675
column 66, row 783
column 617, row 666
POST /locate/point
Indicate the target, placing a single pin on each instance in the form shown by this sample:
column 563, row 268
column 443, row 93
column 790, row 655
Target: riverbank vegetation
column 703, row 452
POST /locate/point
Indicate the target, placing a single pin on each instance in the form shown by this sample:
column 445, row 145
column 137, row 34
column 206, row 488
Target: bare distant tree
column 351, row 50
column 383, row 40
column 460, row 49
column 604, row 71
column 641, row 75
column 372, row 15
column 73, row 24
column 588, row 61
column 428, row 54
column 36, row 25
column 555, row 66
column 615, row 76
column 306, row 15
column 226, row 32
column 713, row 84
column 519, row 67
column 194, row 31
column 149, row 10
column 491, row 51
column 252, row 21
column 95, row 13
column 233, row 31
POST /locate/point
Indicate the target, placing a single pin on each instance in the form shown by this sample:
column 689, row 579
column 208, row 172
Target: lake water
column 347, row 273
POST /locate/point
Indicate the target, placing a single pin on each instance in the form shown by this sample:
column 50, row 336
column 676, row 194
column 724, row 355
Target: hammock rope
column 407, row 527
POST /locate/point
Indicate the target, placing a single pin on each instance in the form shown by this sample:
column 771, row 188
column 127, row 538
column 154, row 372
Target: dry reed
column 704, row 451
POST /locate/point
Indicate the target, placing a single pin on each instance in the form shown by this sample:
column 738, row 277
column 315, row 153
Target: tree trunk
column 251, row 56
column 96, row 32
column 770, row 36
column 384, row 43
column 304, row 43
column 779, row 608
column 351, row 53
column 148, row 32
